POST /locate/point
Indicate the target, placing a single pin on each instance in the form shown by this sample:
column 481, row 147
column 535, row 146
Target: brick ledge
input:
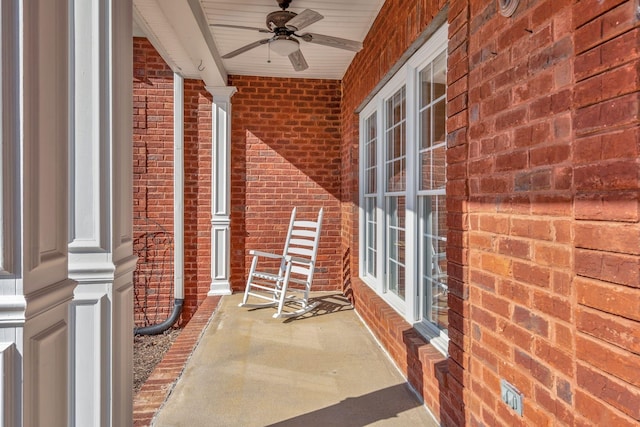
column 160, row 383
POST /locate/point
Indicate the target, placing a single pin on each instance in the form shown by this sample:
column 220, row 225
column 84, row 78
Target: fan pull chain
column 269, row 54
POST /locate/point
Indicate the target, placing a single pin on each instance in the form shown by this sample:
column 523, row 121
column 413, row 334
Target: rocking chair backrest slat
column 300, row 270
column 302, row 242
column 305, row 233
column 306, row 224
column 307, row 253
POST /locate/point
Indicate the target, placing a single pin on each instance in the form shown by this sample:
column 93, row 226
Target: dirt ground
column 148, row 351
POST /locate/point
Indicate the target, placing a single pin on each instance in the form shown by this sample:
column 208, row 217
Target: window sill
column 438, row 339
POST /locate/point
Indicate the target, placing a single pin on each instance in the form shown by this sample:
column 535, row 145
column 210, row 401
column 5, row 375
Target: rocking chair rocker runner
column 291, row 282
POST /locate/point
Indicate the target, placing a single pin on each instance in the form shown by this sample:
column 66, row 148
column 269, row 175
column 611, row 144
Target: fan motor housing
column 279, row 18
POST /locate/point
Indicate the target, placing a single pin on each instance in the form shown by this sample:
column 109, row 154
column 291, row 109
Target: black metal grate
column 153, row 277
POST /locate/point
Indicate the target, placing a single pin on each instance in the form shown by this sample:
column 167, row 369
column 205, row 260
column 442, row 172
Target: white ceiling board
column 183, row 46
column 349, row 19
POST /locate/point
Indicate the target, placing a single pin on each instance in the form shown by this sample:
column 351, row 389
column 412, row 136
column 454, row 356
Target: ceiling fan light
column 284, row 45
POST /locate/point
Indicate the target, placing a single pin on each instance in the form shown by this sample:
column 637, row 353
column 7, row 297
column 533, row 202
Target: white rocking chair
column 291, row 282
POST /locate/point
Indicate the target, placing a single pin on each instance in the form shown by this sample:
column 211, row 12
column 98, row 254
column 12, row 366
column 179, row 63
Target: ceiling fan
column 284, row 25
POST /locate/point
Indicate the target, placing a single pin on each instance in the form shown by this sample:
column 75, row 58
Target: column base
column 219, row 288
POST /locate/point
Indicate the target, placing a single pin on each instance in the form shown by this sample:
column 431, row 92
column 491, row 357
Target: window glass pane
column 432, row 119
column 392, row 277
column 390, row 144
column 393, row 243
column 371, row 153
column 397, row 109
column 439, row 75
column 425, row 86
column 370, row 236
column 370, row 161
column 439, row 206
column 439, row 122
column 433, row 249
column 425, row 128
column 372, row 183
column 396, row 142
column 438, row 172
column 396, row 246
column 425, row 162
column 372, row 123
column 433, row 167
column 390, row 176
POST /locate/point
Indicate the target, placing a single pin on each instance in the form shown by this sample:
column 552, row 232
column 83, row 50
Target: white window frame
column 407, row 76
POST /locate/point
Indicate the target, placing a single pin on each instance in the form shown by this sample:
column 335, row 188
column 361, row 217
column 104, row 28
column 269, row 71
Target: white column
column 100, row 225
column 35, row 291
column 221, row 190
column 121, row 235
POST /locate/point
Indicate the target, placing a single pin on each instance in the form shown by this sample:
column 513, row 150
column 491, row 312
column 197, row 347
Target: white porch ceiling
column 191, row 46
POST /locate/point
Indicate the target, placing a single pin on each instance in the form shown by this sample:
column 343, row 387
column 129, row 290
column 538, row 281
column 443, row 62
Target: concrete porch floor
column 320, row 369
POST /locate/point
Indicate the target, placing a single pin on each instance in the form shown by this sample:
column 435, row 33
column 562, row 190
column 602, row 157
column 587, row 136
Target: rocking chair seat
column 267, row 276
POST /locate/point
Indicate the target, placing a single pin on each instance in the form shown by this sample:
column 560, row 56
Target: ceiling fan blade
column 298, row 61
column 303, row 19
column 245, row 48
column 240, row 27
column 331, row 41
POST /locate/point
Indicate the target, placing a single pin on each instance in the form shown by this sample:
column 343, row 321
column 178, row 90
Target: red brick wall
column 553, row 213
column 397, row 26
column 152, row 184
column 457, row 208
column 153, row 188
column 605, row 157
column 285, row 153
column 543, row 211
column 197, row 195
column 520, row 211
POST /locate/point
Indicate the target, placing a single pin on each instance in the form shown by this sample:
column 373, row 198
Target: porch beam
column 179, row 31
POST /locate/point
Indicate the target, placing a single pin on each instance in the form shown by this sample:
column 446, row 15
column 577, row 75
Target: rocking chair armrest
column 264, row 254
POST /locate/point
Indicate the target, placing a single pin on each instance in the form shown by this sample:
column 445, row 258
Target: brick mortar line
column 158, row 386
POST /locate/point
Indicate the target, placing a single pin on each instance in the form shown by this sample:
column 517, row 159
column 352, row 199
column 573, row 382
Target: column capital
column 221, row 93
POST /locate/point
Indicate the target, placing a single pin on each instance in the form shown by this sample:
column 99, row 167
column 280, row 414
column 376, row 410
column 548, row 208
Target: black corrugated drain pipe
column 161, row 327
